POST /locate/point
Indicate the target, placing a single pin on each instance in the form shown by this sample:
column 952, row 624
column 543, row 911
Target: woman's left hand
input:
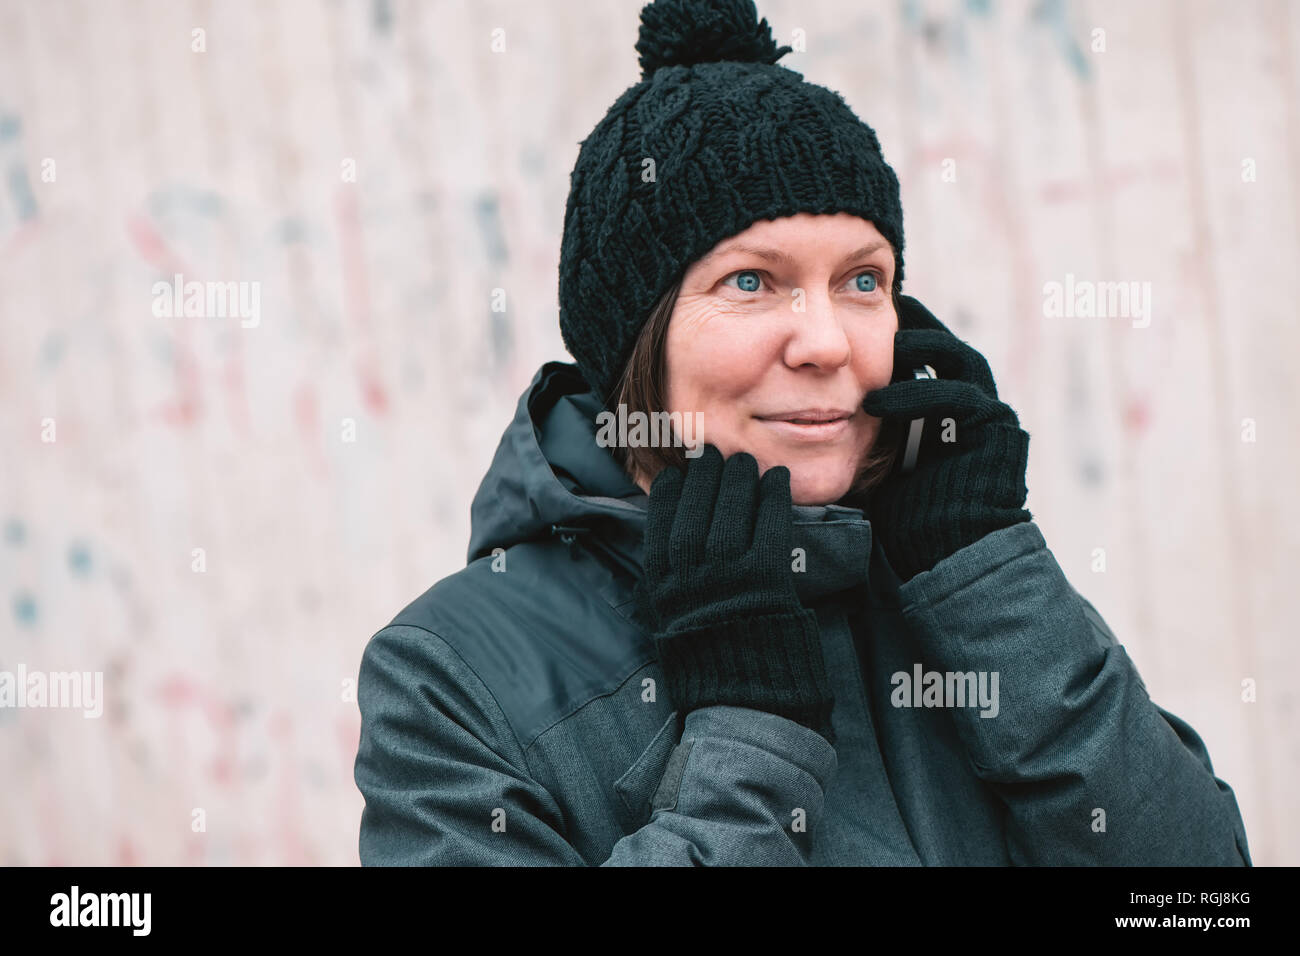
column 969, row 478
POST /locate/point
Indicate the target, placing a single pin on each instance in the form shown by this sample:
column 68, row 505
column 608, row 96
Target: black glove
column 718, row 592
column 962, row 489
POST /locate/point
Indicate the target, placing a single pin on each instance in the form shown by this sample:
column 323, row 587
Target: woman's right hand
column 719, row 592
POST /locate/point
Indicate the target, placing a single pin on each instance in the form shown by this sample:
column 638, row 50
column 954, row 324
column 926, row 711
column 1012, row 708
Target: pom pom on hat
column 684, row 32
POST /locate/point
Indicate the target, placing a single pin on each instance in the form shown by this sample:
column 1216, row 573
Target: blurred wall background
column 217, row 514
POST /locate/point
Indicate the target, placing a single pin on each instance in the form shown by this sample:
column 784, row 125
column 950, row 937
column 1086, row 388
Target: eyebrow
column 784, row 258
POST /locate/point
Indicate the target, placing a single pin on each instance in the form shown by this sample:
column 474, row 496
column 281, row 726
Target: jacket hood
column 549, row 477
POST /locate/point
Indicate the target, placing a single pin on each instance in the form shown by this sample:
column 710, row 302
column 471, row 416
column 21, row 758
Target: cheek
column 873, row 355
column 711, row 361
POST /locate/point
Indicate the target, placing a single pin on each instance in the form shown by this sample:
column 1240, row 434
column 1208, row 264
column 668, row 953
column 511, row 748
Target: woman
column 771, row 644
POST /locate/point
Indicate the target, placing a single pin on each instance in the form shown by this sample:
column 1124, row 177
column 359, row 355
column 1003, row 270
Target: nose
column 817, row 336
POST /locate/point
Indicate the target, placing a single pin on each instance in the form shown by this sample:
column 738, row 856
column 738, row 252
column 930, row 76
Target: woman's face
column 789, row 319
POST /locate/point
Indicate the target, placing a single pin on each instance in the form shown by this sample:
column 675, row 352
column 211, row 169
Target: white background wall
column 225, row 688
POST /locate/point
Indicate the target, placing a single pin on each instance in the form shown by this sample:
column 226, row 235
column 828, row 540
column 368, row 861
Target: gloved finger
column 913, row 315
column 665, row 493
column 774, row 522
column 733, row 513
column 928, row 398
column 948, row 355
column 695, row 510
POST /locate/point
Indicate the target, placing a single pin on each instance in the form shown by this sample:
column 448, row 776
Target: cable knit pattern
column 735, row 139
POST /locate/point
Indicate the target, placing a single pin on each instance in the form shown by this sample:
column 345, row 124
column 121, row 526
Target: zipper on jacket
column 569, row 535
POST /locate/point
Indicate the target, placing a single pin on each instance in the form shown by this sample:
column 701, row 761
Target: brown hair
column 642, row 387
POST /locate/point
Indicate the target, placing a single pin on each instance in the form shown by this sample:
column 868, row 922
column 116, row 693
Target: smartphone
column 914, row 430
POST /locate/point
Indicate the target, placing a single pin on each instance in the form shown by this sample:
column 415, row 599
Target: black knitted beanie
column 714, row 138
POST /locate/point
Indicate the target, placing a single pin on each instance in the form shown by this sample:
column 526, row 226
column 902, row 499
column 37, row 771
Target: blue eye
column 871, row 280
column 747, row 280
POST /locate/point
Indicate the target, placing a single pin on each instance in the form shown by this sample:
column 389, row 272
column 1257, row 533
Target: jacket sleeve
column 1090, row 769
column 446, row 783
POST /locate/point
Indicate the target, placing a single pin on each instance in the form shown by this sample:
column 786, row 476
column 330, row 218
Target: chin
column 819, row 486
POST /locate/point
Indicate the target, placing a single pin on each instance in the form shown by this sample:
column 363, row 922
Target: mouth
column 809, row 424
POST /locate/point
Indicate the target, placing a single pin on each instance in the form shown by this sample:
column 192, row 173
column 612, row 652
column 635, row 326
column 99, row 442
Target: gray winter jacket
column 514, row 713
